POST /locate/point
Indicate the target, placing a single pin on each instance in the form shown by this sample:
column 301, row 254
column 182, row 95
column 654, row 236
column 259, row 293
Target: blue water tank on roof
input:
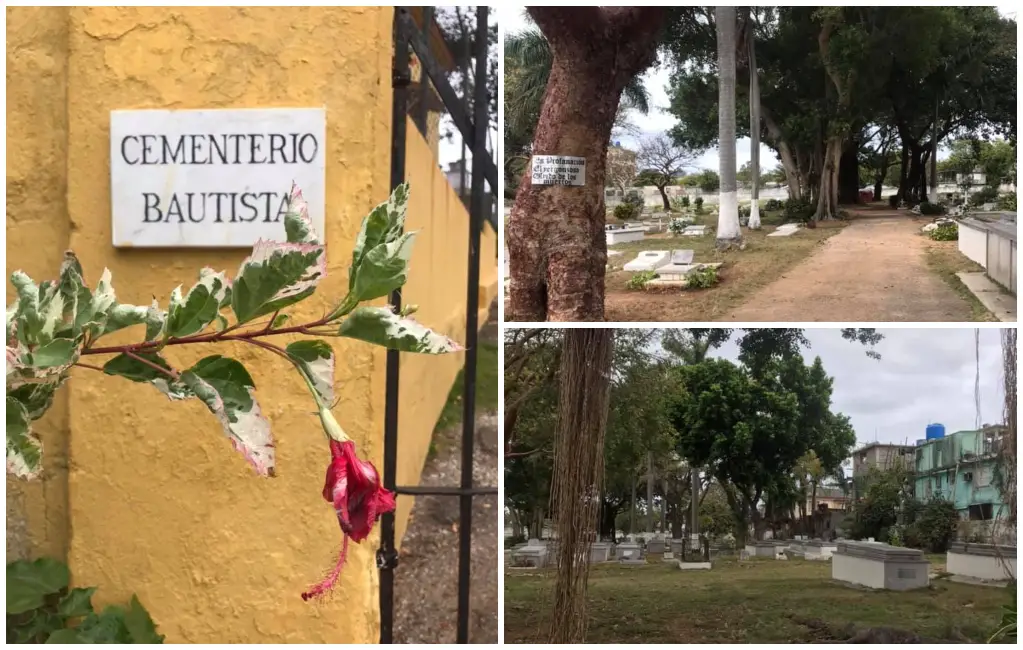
column 935, row 431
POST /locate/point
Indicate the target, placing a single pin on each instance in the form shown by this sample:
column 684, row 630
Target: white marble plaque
column 559, row 170
column 213, row 178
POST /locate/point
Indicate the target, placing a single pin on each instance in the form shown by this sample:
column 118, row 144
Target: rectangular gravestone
column 984, row 563
column 655, row 545
column 695, row 231
column 880, row 566
column 683, row 256
column 600, row 552
column 647, row 261
column 630, row 553
column 213, row 178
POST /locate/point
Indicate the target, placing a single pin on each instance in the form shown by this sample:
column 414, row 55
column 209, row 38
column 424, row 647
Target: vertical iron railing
column 407, row 35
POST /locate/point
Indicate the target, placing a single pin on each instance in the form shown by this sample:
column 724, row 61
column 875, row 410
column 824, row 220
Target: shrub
column 935, row 526
column 704, row 278
column 946, row 232
column 633, row 198
column 699, row 205
column 626, row 211
column 685, row 201
column 984, row 195
column 799, row 210
column 639, row 280
column 678, row 225
column 42, row 609
column 773, row 205
column 931, row 209
column 1007, row 201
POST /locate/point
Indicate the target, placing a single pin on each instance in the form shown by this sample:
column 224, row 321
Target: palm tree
column 528, row 60
column 728, row 204
column 754, row 122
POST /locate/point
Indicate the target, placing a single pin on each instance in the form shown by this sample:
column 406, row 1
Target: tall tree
column 728, row 232
column 754, row 119
column 578, row 473
column 662, row 161
column 555, row 234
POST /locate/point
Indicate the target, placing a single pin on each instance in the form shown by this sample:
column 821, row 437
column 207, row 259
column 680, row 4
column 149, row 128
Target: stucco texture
column 146, row 496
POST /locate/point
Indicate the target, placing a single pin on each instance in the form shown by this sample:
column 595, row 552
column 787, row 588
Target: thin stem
column 170, row 373
column 89, row 366
column 206, row 338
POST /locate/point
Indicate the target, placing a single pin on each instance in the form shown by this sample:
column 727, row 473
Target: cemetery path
column 426, row 580
column 874, row 270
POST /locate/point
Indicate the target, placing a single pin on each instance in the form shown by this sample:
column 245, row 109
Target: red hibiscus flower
column 353, row 486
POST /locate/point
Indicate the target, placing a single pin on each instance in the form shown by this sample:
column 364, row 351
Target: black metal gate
column 474, row 133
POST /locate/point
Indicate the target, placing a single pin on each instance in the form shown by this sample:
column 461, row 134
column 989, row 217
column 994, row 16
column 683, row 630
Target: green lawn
column 944, row 259
column 750, row 602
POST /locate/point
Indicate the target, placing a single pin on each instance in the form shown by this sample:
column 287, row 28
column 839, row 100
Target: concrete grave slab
column 998, row 302
column 648, row 261
column 682, row 256
column 694, row 231
column 624, row 235
column 880, row 566
column 981, row 563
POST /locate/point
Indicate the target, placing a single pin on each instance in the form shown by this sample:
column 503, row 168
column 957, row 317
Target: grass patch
column 486, row 387
column 743, row 273
column 747, row 603
column 944, row 259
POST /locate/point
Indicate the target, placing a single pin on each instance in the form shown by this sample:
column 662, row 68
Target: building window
column 980, row 512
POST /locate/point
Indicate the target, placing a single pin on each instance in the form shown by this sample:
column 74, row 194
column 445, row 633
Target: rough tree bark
column 849, row 172
column 555, row 234
column 728, row 232
column 827, row 195
column 578, row 473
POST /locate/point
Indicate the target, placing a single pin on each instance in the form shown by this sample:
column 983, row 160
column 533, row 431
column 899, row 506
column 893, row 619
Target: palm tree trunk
column 728, row 203
column 754, row 126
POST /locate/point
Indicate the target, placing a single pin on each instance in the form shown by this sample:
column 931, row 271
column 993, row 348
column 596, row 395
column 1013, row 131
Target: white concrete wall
column 858, row 571
column 1001, row 261
column 982, row 567
column 973, row 244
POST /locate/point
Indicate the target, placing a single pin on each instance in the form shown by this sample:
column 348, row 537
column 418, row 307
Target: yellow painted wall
column 437, row 281
column 150, row 497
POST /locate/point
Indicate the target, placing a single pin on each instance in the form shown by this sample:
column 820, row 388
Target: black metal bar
column 387, row 555
column 444, row 491
column 423, row 112
column 450, row 97
column 476, row 216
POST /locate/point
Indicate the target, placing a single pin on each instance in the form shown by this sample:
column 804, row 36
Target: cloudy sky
column 659, row 121
column 923, row 376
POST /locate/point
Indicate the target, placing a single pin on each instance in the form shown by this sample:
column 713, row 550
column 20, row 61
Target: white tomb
column 600, row 552
column 671, row 274
column 694, row 231
column 761, row 549
column 785, row 230
column 819, row 550
column 533, row 554
column 981, row 562
column 630, row 553
column 880, row 566
column 648, row 261
column 655, row 545
column 624, row 235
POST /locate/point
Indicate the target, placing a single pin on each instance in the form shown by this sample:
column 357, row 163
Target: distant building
column 962, row 468
column 881, row 455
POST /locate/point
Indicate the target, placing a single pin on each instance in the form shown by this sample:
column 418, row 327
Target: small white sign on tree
column 559, row 170
column 213, row 178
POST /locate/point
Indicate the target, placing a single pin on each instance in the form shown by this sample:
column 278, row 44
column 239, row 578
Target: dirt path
column 874, row 270
column 426, row 580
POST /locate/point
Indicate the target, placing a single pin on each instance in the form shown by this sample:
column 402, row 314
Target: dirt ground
column 426, row 580
column 874, row 270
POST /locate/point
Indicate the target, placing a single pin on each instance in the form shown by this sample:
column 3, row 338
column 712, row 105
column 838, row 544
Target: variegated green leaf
column 199, row 308
column 24, row 451
column 384, row 269
column 226, row 388
column 38, row 397
column 93, row 308
column 225, row 299
column 380, row 325
column 381, row 226
column 143, row 372
column 156, row 319
column 276, row 275
column 122, row 316
column 316, row 360
column 57, row 353
column 297, row 224
column 29, row 319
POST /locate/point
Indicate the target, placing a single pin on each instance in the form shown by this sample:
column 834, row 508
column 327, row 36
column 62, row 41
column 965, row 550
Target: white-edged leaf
column 37, row 397
column 122, row 316
column 298, row 226
column 384, row 268
column 382, row 225
column 156, row 319
column 24, row 451
column 199, row 308
column 226, row 388
column 225, row 298
column 380, row 325
column 316, row 360
column 28, row 321
column 276, row 275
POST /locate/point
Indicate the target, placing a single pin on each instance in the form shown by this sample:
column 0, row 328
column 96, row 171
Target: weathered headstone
column 880, row 566
column 647, row 261
column 983, row 563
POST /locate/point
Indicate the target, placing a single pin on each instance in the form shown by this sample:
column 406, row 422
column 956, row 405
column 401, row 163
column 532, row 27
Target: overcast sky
column 659, row 121
column 924, row 376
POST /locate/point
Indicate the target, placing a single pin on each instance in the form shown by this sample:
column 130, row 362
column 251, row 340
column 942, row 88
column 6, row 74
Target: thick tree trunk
column 788, row 161
column 904, row 171
column 578, row 475
column 827, row 196
column 664, row 198
column 882, row 173
column 728, row 232
column 649, row 492
column 849, row 173
column 632, row 509
column 555, row 234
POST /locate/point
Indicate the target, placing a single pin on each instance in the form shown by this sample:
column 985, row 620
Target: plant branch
column 166, row 371
column 89, row 366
